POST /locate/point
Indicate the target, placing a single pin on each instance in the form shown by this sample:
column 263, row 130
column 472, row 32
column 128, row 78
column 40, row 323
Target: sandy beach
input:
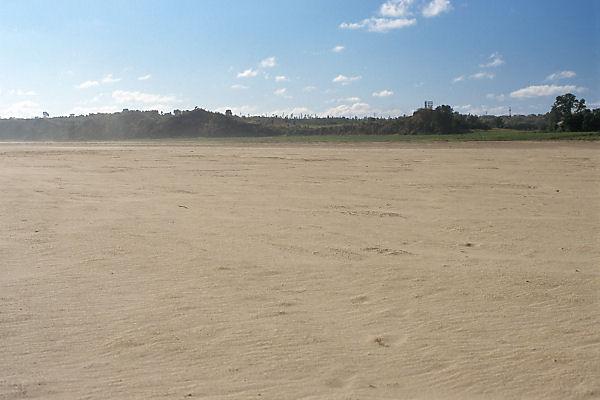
column 172, row 270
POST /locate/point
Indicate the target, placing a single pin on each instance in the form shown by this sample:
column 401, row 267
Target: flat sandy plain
column 172, row 270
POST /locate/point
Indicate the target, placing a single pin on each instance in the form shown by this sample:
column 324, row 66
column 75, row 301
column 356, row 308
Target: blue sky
column 326, row 57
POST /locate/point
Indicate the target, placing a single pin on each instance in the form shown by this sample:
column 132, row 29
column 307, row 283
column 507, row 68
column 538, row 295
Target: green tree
column 568, row 113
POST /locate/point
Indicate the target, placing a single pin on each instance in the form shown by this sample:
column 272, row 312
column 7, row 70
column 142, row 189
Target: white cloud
column 383, row 93
column 21, row 93
column 94, row 100
column 249, row 73
column 494, row 60
column 346, row 110
column 497, row 97
column 144, row 77
column 122, row 96
column 561, row 75
column 594, row 105
column 350, row 100
column 380, row 25
column 269, row 62
column 396, row 8
column 281, row 78
column 353, row 25
column 239, row 87
column 107, row 79
column 309, row 89
column 398, row 14
column 436, row 7
column 482, row 75
column 88, row 84
column 297, row 111
column 346, row 80
column 544, row 90
column 338, row 49
column 477, row 76
column 84, row 110
column 110, row 79
column 241, row 110
column 21, row 109
column 281, row 92
column 481, row 110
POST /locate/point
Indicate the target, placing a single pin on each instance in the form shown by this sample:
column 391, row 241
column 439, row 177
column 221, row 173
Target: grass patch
column 491, row 135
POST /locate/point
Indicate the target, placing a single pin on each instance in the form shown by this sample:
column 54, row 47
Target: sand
column 172, row 270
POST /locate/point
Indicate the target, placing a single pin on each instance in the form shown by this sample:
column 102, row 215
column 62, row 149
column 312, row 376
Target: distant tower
column 229, row 113
column 429, row 105
column 509, row 112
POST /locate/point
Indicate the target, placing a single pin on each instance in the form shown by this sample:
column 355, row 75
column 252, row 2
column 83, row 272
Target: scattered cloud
column 281, row 78
column 239, row 87
column 494, row 60
column 396, row 8
column 338, row 49
column 497, row 97
column 545, row 90
column 476, row 76
column 249, row 73
column 88, row 84
column 97, row 98
column 397, row 14
column 353, row 99
column 107, row 79
column 144, row 77
column 110, row 79
column 482, row 75
column 21, row 109
column 21, row 93
column 436, row 7
column 346, row 80
column 482, row 110
column 561, row 75
column 122, row 96
column 282, row 92
column 349, row 110
column 381, row 25
column 269, row 62
column 84, row 110
column 240, row 110
column 297, row 111
column 594, row 105
column 383, row 93
column 309, row 89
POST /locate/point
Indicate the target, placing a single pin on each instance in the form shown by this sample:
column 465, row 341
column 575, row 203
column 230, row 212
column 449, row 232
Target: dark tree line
column 568, row 114
column 131, row 125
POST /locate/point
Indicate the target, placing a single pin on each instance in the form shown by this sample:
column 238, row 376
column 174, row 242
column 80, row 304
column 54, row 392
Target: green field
column 491, row 135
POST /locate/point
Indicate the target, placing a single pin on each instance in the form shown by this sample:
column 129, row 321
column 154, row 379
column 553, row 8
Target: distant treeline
column 130, row 125
column 567, row 114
